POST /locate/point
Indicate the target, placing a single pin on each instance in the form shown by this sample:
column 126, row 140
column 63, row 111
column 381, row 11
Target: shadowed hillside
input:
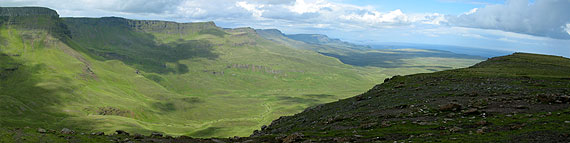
column 112, row 38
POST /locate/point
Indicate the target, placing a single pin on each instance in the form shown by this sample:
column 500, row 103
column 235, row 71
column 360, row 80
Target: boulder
column 43, row 131
column 98, row 133
column 156, row 134
column 67, row 131
column 521, row 107
column 481, row 123
column 455, row 129
column 453, row 106
column 471, row 111
column 137, row 136
column 293, row 138
column 121, row 132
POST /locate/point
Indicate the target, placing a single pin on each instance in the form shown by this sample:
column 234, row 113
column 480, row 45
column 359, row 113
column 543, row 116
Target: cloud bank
column 547, row 18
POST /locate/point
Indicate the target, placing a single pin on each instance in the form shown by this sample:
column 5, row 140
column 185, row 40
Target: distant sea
column 455, row 49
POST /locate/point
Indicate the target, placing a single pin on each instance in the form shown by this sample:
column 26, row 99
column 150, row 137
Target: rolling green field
column 196, row 79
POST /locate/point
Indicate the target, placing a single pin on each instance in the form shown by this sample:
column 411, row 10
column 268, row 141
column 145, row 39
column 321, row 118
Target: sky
column 538, row 26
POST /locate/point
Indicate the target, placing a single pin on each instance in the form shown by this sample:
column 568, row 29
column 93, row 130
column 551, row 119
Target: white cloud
column 433, row 19
column 541, row 18
column 375, row 17
column 472, row 35
column 567, row 28
column 472, row 11
column 253, row 8
column 302, row 7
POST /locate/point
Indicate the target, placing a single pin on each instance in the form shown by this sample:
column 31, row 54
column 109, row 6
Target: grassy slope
column 512, row 102
column 254, row 97
column 520, row 97
column 55, row 86
column 81, row 75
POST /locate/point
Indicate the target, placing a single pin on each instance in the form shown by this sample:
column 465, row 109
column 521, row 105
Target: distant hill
column 323, row 40
column 365, row 56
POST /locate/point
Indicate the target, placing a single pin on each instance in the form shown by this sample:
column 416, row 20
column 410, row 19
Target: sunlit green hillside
column 197, row 79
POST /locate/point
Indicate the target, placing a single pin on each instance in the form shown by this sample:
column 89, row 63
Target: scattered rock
column 138, row 136
column 386, row 124
column 481, row 123
column 402, row 106
column 368, row 125
column 567, row 122
column 399, row 85
column 424, row 123
column 341, row 139
column 156, row 134
column 453, row 106
column 426, row 135
column 517, row 126
column 67, row 131
column 98, row 133
column 471, row 111
column 386, row 80
column 43, row 131
column 217, row 141
column 293, row 138
column 455, row 129
column 121, row 132
column 263, row 127
column 521, row 107
column 481, row 130
column 185, row 137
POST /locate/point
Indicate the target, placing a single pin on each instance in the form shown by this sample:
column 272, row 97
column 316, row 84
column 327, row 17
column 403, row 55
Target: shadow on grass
column 210, row 131
column 319, row 95
column 172, row 105
column 112, row 38
column 25, row 104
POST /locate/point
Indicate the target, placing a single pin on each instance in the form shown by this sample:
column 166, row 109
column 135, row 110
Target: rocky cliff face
column 27, row 11
column 154, row 26
column 270, row 32
column 35, row 19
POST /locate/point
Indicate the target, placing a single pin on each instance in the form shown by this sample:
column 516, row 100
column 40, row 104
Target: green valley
column 193, row 79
